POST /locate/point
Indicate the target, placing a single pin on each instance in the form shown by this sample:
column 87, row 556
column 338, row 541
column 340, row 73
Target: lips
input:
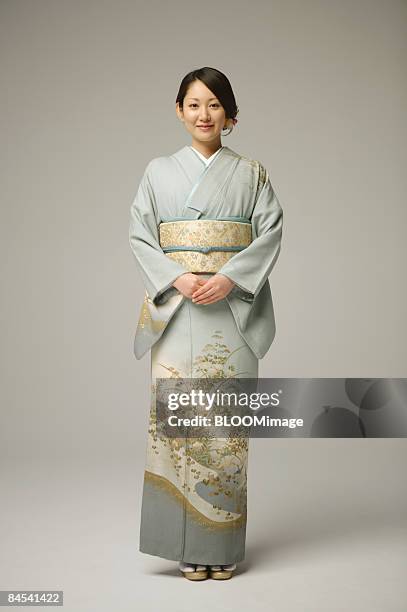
column 206, row 126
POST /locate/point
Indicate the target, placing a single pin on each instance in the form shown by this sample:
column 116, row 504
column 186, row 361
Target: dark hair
column 217, row 82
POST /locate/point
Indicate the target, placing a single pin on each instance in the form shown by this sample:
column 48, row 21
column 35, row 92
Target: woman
column 205, row 230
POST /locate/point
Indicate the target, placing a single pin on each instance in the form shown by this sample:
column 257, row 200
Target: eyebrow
column 198, row 99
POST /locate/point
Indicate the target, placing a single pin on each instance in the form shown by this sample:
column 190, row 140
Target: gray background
column 88, row 98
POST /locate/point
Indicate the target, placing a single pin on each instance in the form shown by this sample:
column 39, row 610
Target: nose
column 204, row 116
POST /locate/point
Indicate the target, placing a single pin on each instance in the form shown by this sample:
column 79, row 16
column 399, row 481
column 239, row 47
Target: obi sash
column 204, row 245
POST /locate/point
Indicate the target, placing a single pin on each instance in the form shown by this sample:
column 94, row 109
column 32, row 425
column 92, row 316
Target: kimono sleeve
column 157, row 270
column 250, row 268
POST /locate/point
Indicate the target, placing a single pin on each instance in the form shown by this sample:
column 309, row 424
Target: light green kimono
column 194, row 505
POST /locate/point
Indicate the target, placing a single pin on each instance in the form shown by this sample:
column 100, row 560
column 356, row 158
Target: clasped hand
column 201, row 290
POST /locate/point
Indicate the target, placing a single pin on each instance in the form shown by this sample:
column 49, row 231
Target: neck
column 206, row 148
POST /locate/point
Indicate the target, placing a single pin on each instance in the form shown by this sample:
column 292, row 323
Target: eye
column 194, row 104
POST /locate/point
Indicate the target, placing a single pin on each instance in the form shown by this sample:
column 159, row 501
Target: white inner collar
column 207, row 160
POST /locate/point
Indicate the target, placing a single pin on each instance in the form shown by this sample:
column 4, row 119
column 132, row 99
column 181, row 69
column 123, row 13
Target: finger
column 202, row 291
column 206, row 298
column 210, row 300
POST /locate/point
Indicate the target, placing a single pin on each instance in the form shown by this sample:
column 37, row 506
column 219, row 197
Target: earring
column 228, row 127
column 230, row 124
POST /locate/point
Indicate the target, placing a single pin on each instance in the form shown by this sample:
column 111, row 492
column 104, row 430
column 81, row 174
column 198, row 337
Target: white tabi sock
column 191, row 567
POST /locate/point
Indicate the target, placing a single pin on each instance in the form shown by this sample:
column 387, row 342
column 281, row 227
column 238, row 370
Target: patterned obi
column 204, row 245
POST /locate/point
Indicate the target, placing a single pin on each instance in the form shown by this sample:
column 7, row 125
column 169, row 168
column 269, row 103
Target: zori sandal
column 192, row 571
column 221, row 572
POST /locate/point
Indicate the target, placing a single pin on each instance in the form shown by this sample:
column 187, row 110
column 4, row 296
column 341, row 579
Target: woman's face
column 202, row 107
